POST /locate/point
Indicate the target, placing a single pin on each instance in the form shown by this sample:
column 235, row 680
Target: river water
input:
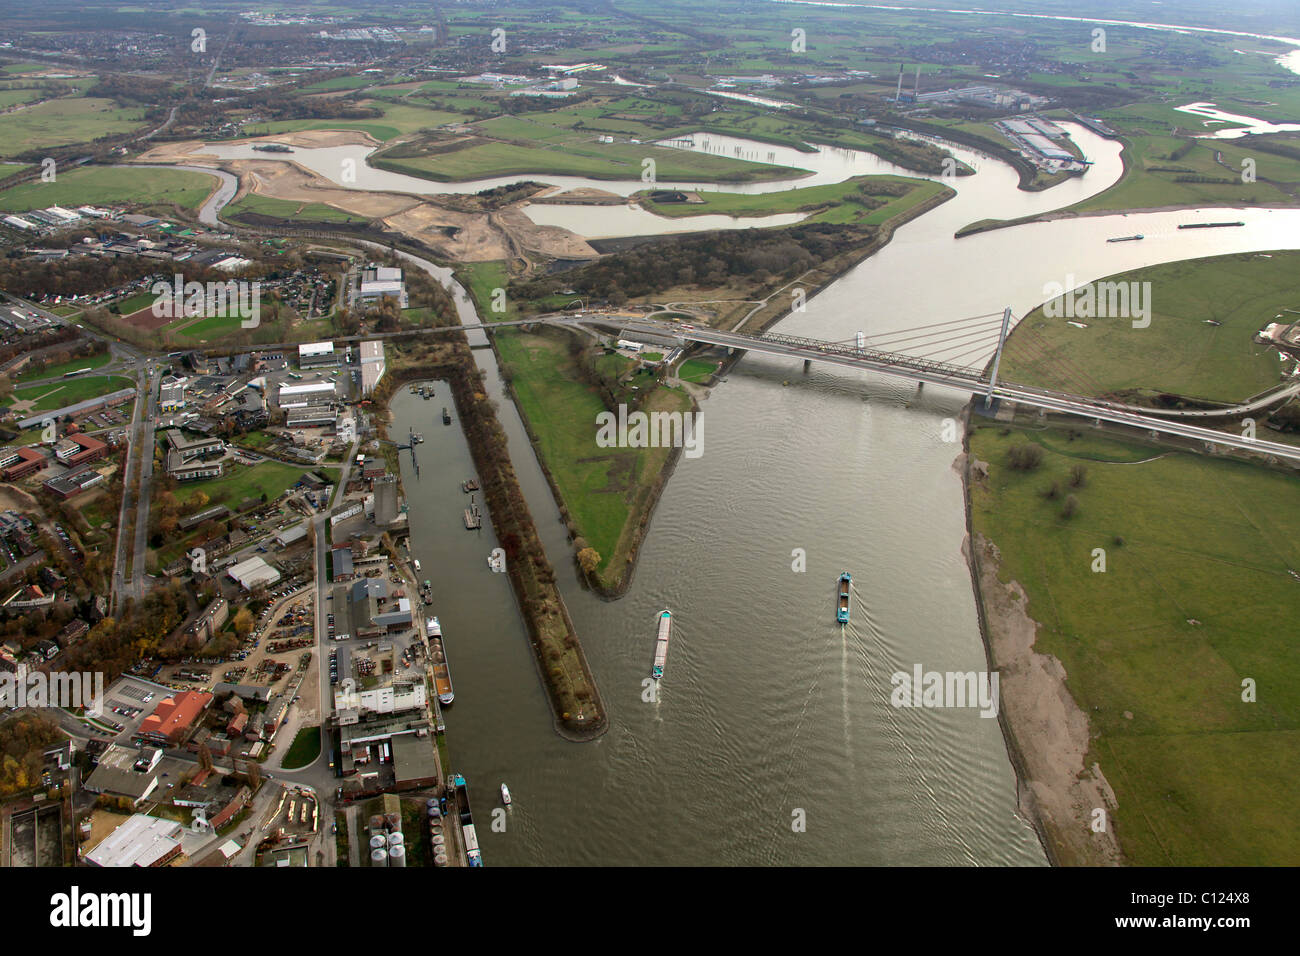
column 768, row 710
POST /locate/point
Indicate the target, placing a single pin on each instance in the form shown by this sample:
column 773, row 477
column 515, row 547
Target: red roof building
column 92, row 449
column 29, row 461
column 175, row 717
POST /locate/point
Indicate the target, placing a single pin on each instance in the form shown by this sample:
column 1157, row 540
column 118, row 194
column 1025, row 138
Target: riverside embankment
column 576, row 703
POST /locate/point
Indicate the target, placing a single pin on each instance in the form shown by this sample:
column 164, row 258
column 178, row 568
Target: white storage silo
column 379, row 857
column 397, row 856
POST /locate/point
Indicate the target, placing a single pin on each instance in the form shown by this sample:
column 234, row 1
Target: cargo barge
column 1127, row 238
column 438, row 661
column 472, row 850
column 1209, row 225
column 842, row 608
column 661, row 644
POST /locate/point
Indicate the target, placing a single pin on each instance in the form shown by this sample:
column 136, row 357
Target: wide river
column 767, row 707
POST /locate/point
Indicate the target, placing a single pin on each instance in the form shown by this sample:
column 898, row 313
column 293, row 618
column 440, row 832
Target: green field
column 271, row 478
column 64, row 121
column 399, row 119
column 99, row 186
column 12, row 97
column 481, row 279
column 1199, row 595
column 1179, row 352
column 829, row 203
column 53, row 371
column 304, row 749
column 132, row 304
column 343, row 83
column 287, row 209
column 696, row 370
column 597, row 161
column 1151, row 177
column 44, row 398
column 604, row 489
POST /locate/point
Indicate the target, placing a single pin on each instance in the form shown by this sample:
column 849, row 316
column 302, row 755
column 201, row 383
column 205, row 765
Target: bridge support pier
column 807, row 364
column 920, row 386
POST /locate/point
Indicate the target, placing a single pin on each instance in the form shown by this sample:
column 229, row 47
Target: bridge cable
column 957, row 342
column 987, row 326
column 977, row 319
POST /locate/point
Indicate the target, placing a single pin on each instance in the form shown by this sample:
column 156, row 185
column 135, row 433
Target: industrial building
column 366, row 610
column 125, row 772
column 142, row 841
column 253, row 572
column 385, row 500
column 378, row 282
column 171, row 394
column 21, row 462
column 391, row 698
column 188, row 449
column 318, row 417
column 175, row 718
column 316, row 354
column 311, row 393
column 79, row 450
column 79, row 408
column 341, row 558
column 193, row 471
column 71, row 484
column 1045, row 147
column 211, row 620
column 371, row 360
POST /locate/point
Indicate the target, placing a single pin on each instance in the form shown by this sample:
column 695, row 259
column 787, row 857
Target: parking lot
column 127, row 702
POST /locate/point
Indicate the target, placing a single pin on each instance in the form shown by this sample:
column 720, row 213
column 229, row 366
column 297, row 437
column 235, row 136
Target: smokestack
column 899, row 92
column 916, row 87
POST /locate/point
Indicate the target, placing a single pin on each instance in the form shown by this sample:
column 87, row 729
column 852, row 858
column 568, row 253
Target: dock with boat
column 473, row 517
column 469, row 484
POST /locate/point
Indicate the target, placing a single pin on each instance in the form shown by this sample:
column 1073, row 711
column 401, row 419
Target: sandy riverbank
column 1048, row 736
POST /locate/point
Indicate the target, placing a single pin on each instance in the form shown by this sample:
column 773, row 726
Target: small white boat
column 496, row 562
column 505, row 794
column 417, row 565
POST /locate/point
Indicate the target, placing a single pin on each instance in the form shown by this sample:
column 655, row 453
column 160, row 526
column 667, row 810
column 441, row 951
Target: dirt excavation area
column 450, row 233
column 191, row 150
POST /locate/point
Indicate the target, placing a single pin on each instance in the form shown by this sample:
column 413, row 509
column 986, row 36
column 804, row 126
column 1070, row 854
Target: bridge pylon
column 997, row 357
